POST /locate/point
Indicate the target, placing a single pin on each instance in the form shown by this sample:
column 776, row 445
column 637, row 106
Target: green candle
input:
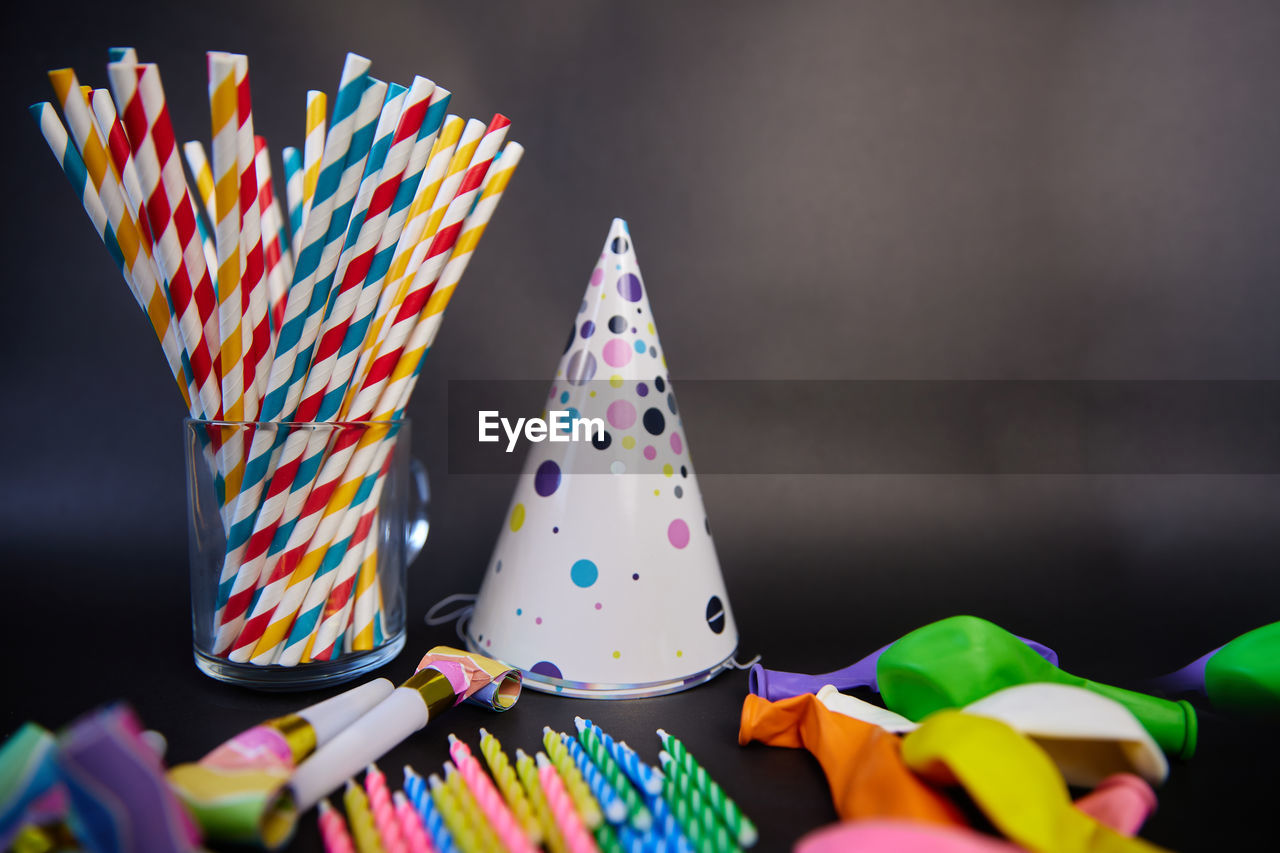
column 677, row 756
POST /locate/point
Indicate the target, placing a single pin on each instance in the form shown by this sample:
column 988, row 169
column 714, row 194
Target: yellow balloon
column 1013, row 781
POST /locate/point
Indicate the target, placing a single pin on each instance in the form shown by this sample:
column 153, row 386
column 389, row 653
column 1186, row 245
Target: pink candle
column 490, row 801
column 571, row 827
column 333, row 829
column 415, row 834
column 384, row 814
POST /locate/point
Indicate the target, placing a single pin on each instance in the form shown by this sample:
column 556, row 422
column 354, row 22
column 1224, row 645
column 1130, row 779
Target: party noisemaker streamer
column 234, row 790
column 445, row 677
column 625, row 597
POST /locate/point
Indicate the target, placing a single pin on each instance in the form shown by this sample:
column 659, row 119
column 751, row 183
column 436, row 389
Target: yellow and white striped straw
column 312, row 150
column 198, row 163
column 226, row 191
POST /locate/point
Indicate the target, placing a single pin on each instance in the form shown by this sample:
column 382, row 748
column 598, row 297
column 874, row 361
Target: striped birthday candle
column 416, row 789
column 527, row 770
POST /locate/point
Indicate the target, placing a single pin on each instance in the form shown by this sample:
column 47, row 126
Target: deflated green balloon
column 955, row 661
column 1244, row 675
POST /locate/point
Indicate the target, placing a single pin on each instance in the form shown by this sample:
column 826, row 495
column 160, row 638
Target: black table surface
column 69, row 652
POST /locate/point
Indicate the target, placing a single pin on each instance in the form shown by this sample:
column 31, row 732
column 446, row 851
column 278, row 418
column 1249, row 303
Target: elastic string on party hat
column 460, row 616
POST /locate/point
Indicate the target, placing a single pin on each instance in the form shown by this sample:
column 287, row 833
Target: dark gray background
column 922, row 190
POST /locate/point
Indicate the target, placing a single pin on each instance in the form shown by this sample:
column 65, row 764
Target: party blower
column 955, row 661
column 233, row 790
column 445, row 677
column 604, row 582
column 1241, row 676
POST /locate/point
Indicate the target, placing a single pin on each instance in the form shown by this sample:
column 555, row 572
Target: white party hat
column 604, row 582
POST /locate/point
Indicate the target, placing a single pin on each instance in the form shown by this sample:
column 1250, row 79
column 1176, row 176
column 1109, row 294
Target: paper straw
column 313, row 150
column 366, row 597
column 352, row 533
column 117, row 147
column 495, row 810
column 528, row 773
column 610, row 802
column 342, row 354
column 356, row 563
column 455, row 820
column 198, row 163
column 577, row 838
column 407, row 370
column 139, row 97
column 333, row 830
column 452, row 151
column 375, row 386
column 427, row 187
column 384, row 813
column 202, row 172
column 122, row 218
column 275, row 245
column 405, row 375
column 363, row 829
column 398, row 182
column 583, row 800
column 678, row 757
column 247, row 539
column 145, row 288
column 230, row 340
column 292, row 158
column 226, row 182
column 264, row 630
column 416, row 788
column 411, row 829
column 256, row 329
column 505, row 777
column 418, row 336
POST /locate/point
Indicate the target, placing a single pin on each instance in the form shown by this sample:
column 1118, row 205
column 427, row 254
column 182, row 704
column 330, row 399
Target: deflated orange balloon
column 862, row 762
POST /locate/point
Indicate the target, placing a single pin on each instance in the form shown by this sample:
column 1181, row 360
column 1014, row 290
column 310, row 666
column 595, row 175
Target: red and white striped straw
column 140, row 100
column 275, row 244
column 256, row 340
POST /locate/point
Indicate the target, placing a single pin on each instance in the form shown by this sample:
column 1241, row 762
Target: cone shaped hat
column 604, row 581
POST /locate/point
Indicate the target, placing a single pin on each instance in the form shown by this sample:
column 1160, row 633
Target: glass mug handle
column 417, row 527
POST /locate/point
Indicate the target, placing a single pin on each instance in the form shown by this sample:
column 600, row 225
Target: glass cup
column 299, row 537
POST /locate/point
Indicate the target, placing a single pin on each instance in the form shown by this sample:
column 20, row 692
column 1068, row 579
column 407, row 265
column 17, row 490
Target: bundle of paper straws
column 324, row 318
